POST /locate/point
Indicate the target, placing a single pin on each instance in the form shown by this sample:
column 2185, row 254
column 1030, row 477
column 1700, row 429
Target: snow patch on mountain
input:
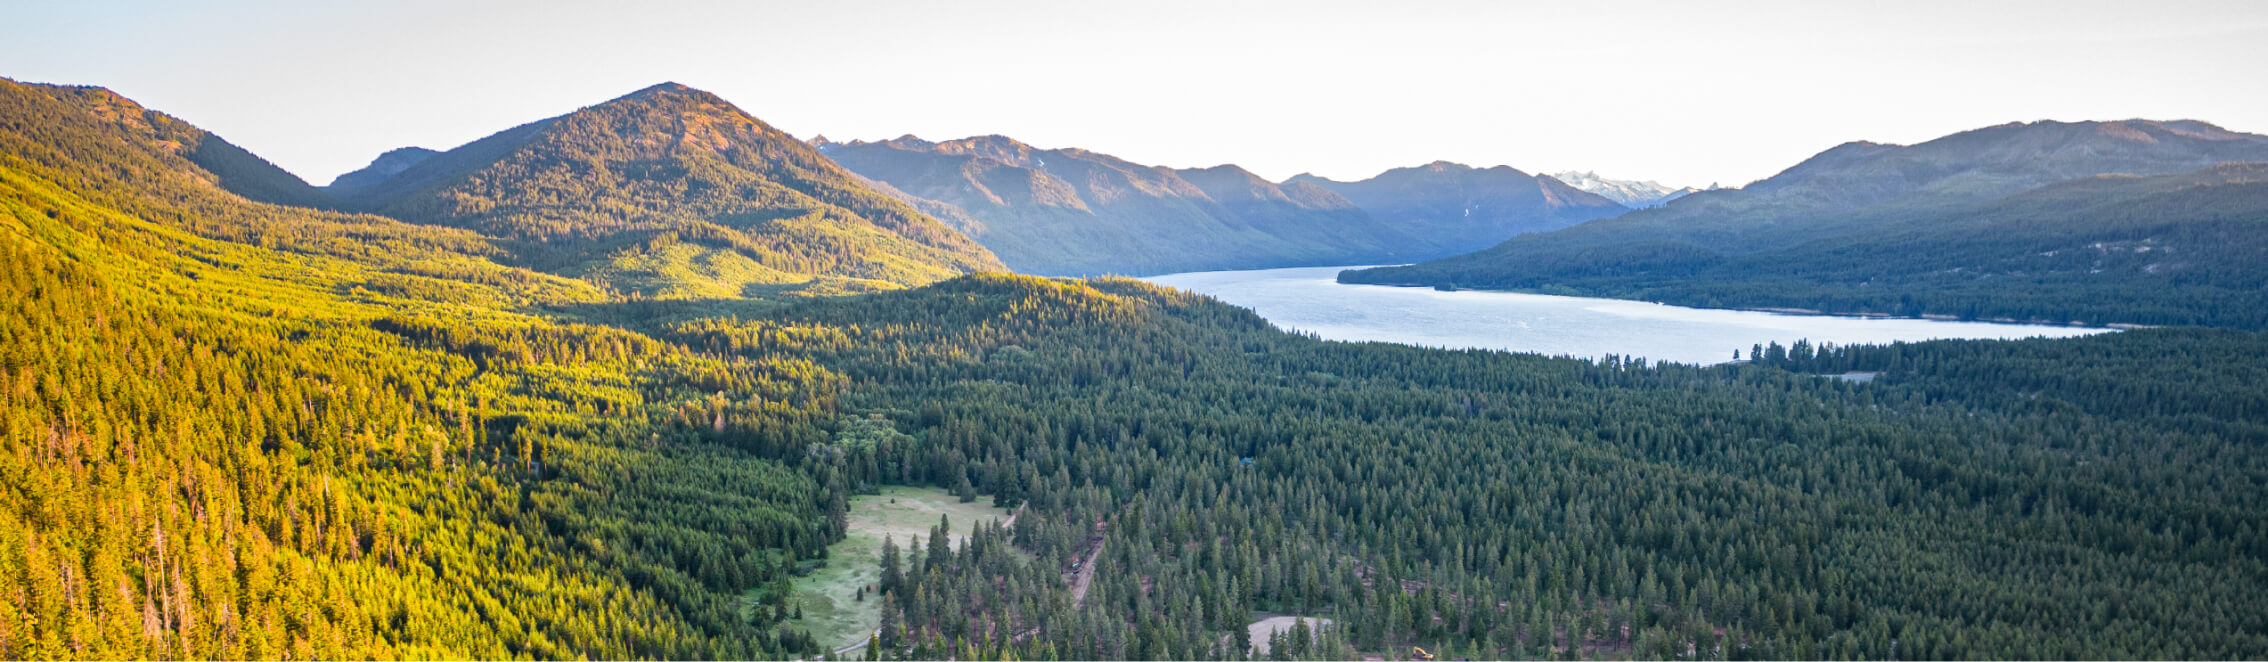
column 1630, row 193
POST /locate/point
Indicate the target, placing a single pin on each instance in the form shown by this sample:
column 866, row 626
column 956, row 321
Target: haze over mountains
column 537, row 404
column 2134, row 221
column 673, row 192
column 1453, row 206
column 1074, row 211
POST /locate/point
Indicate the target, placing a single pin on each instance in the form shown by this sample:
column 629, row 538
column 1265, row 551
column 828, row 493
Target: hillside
column 218, row 161
column 1076, row 212
column 2047, row 221
column 393, row 162
column 1455, row 208
column 232, row 430
column 238, row 430
column 671, row 191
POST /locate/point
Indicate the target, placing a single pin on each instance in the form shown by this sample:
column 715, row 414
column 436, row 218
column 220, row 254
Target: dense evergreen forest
column 672, row 191
column 245, row 430
column 2097, row 223
column 2044, row 499
column 237, row 430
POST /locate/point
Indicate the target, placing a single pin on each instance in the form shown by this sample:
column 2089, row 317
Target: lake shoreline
column 1813, row 312
column 1310, row 300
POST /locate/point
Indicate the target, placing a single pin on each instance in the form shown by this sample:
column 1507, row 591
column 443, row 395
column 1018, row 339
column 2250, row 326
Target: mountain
column 1455, row 208
column 1074, row 212
column 223, row 163
column 1629, row 193
column 385, row 166
column 233, row 429
column 671, row 191
column 2102, row 222
column 251, row 410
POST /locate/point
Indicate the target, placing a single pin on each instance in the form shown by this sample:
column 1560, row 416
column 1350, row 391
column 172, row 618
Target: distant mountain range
column 668, row 191
column 1074, row 211
column 2132, row 221
column 1631, row 193
column 393, row 162
column 672, row 192
column 1453, row 207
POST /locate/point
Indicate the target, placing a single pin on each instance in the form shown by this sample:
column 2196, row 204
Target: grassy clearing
column 905, row 514
column 1264, row 628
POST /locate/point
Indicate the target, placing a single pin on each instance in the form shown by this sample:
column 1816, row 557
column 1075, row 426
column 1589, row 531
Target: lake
column 1311, row 300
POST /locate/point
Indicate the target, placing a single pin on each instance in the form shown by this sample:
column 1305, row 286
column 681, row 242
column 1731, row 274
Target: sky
column 1686, row 93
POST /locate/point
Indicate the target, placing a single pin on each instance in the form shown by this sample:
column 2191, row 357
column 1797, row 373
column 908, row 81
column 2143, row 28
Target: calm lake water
column 1309, row 299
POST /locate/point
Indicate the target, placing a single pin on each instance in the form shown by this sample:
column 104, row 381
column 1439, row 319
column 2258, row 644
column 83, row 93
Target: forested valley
column 236, row 429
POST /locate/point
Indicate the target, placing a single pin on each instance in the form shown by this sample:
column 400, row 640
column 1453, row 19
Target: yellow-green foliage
column 238, row 430
column 672, row 192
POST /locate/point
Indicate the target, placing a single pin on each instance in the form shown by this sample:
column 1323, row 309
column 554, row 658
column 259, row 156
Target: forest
column 240, row 429
column 2174, row 249
column 1978, row 499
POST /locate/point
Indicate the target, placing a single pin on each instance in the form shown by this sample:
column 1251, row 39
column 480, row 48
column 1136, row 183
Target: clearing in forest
column 1264, row 628
column 831, row 611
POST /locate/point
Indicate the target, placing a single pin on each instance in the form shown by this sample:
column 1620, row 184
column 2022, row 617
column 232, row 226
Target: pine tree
column 893, row 571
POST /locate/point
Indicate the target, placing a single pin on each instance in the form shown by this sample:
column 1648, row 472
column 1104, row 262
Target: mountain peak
column 1631, row 193
column 663, row 89
column 221, row 162
column 994, row 146
column 2005, row 158
column 391, row 163
column 1071, row 211
column 1461, row 208
column 673, row 161
column 675, row 95
column 1226, row 169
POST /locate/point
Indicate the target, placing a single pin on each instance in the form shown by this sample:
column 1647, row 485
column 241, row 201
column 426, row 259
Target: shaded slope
column 1455, row 208
column 216, row 449
column 1072, row 211
column 225, row 164
column 238, row 430
column 1988, row 223
column 673, row 191
column 391, row 163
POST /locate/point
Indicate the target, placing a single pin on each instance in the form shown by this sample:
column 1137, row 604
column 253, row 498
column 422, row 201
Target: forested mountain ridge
column 2005, row 159
column 239, row 430
column 1455, row 208
column 1077, row 212
column 671, row 191
column 2045, row 221
column 231, row 429
column 222, row 162
column 391, row 163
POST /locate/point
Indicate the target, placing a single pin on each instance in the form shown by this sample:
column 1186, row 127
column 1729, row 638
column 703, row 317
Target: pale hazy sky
column 1688, row 93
